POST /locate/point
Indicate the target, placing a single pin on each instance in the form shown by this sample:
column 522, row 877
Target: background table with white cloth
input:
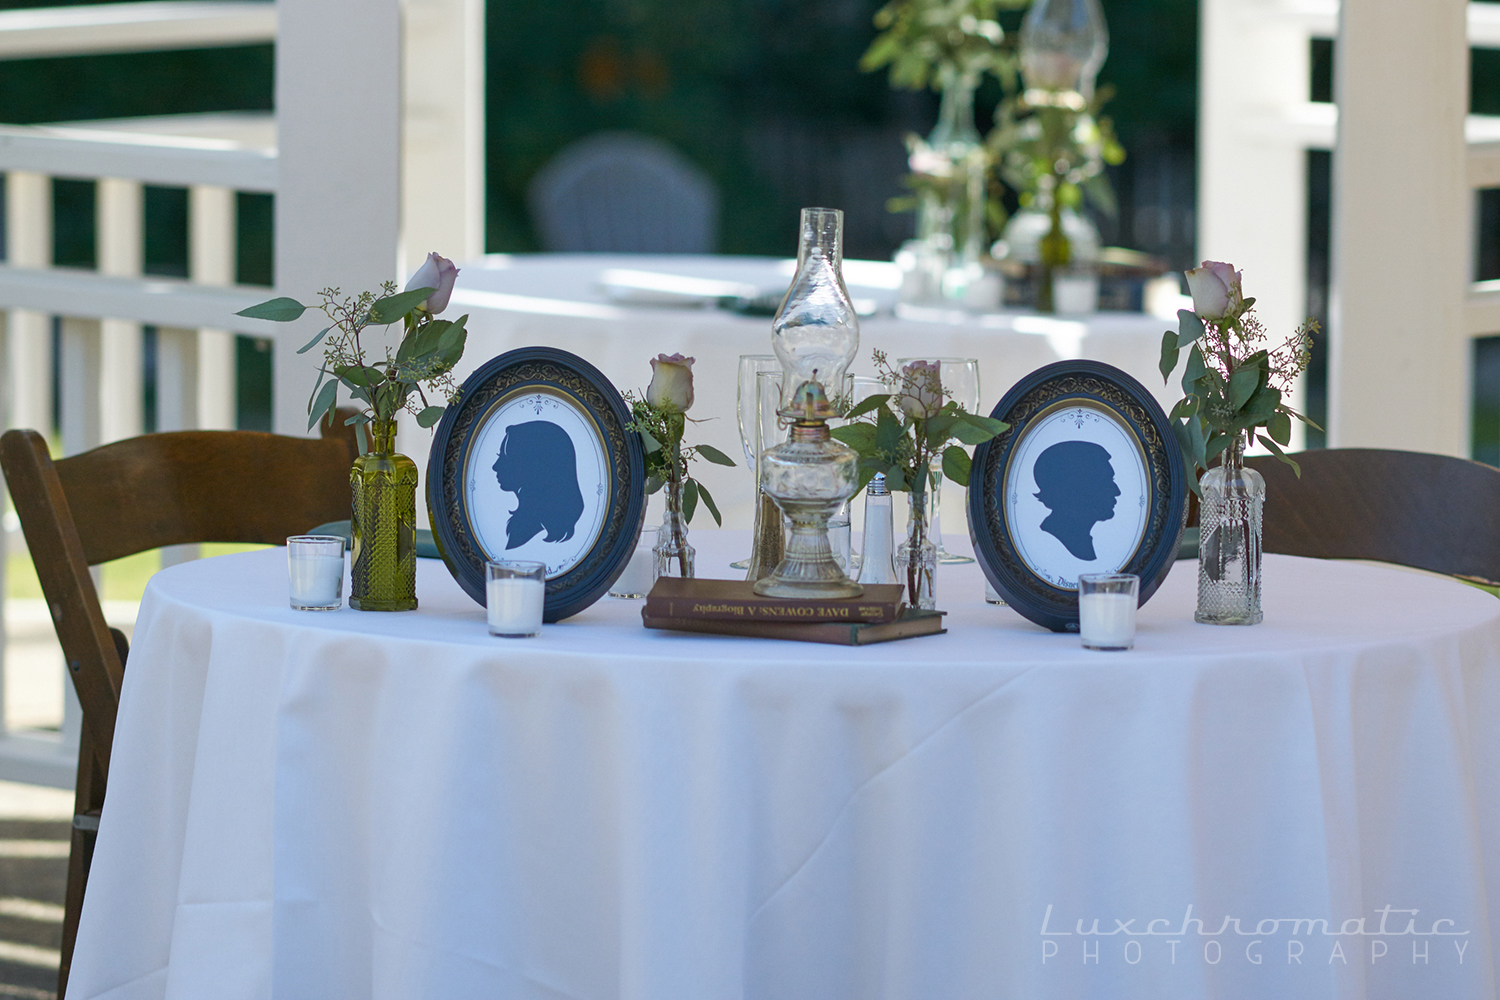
column 560, row 300
column 400, row 806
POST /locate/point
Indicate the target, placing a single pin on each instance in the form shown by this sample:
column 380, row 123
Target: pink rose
column 921, row 391
column 1216, row 289
column 438, row 273
column 671, row 382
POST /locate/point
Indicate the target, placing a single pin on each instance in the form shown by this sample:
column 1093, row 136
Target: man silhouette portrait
column 1076, row 482
column 537, row 463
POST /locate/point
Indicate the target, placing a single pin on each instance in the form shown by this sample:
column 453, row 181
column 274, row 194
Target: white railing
column 1407, row 160
column 347, row 133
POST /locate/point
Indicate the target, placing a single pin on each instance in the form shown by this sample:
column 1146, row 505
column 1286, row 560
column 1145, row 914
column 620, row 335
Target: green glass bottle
column 383, row 547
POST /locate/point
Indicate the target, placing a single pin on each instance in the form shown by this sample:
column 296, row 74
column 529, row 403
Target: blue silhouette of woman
column 1077, row 483
column 537, row 463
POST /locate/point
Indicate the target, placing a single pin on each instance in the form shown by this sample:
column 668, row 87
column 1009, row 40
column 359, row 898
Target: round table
column 401, row 806
column 560, row 300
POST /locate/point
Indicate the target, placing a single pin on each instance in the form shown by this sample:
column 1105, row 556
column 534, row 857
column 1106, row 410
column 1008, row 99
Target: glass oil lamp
column 815, row 336
column 809, row 476
column 1063, row 45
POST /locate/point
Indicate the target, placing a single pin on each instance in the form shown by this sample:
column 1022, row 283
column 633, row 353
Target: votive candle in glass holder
column 1106, row 610
column 315, row 572
column 640, row 572
column 514, row 597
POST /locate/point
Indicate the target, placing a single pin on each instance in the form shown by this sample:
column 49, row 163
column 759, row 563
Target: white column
column 338, row 198
column 1252, row 171
column 1399, row 363
column 120, row 210
column 176, row 379
column 442, row 149
column 28, row 344
column 211, row 243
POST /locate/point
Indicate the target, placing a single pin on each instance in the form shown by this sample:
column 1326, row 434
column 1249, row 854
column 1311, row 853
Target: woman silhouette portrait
column 537, row 463
column 1076, row 482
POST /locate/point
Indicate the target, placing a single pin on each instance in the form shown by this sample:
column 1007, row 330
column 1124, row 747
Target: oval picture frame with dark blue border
column 535, row 462
column 1089, row 477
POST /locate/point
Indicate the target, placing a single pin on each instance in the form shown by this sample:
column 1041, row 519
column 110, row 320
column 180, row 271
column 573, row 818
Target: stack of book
column 731, row 607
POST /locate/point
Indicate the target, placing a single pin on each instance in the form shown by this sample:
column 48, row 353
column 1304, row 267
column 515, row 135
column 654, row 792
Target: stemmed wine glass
column 960, row 378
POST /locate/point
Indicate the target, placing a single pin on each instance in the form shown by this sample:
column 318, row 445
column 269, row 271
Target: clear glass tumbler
column 515, row 595
column 315, row 572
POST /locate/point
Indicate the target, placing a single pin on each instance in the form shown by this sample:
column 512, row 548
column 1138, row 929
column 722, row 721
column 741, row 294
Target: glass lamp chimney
column 1063, row 45
column 815, row 333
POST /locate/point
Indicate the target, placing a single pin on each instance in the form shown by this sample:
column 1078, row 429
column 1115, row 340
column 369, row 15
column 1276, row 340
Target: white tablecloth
column 555, row 300
column 400, row 806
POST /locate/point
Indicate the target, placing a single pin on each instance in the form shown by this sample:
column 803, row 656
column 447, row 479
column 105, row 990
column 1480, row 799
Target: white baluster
column 28, row 342
column 120, row 211
column 211, row 242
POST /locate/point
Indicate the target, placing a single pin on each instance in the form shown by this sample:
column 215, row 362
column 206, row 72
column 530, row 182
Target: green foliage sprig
column 421, row 363
column 935, row 43
column 661, row 429
column 1234, row 382
column 901, row 433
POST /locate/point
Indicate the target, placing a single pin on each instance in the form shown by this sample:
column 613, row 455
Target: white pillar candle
column 1107, row 621
column 315, row 572
column 515, row 605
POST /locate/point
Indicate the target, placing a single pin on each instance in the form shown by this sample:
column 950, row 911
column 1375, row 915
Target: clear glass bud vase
column 916, row 559
column 674, row 555
column 1230, row 522
column 383, row 530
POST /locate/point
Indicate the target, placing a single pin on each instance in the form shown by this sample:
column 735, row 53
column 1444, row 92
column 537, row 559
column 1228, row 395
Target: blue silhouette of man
column 1076, row 482
column 538, row 464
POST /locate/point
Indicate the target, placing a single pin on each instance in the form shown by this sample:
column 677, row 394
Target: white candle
column 315, row 571
column 639, row 575
column 515, row 605
column 1107, row 621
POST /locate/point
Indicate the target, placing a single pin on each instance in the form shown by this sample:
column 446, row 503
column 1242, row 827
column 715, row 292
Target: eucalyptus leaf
column 649, row 442
column 430, row 416
column 956, row 464
column 1187, row 406
column 654, row 484
column 278, row 310
column 393, row 307
column 1280, row 427
column 887, row 432
column 358, row 418
column 359, row 438
column 895, row 479
column 1189, row 327
column 866, row 405
column 1242, row 385
column 859, row 436
column 1217, row 442
column 1260, row 407
column 938, row 428
column 990, row 424
column 1196, row 369
column 689, row 499
column 314, row 342
column 708, row 501
column 1275, row 449
column 1170, row 352
column 327, row 398
column 714, row 455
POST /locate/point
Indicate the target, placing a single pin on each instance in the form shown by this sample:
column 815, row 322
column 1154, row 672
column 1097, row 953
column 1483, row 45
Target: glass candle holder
column 640, row 573
column 315, row 572
column 1106, row 610
column 515, row 594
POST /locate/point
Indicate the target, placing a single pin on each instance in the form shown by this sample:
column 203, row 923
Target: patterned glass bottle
column 383, row 547
column 1229, row 548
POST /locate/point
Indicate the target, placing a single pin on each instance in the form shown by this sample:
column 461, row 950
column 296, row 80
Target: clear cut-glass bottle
column 1229, row 548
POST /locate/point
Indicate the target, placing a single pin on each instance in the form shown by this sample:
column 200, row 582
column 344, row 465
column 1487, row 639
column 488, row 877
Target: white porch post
column 1252, row 175
column 120, row 210
column 338, row 208
column 28, row 341
column 443, row 144
column 1399, row 362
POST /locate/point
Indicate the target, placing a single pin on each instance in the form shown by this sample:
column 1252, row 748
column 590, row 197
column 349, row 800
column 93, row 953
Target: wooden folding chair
column 1432, row 512
column 132, row 496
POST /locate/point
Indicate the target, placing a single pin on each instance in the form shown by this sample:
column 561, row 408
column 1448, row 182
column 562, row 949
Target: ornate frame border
column 580, row 383
column 1109, row 389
